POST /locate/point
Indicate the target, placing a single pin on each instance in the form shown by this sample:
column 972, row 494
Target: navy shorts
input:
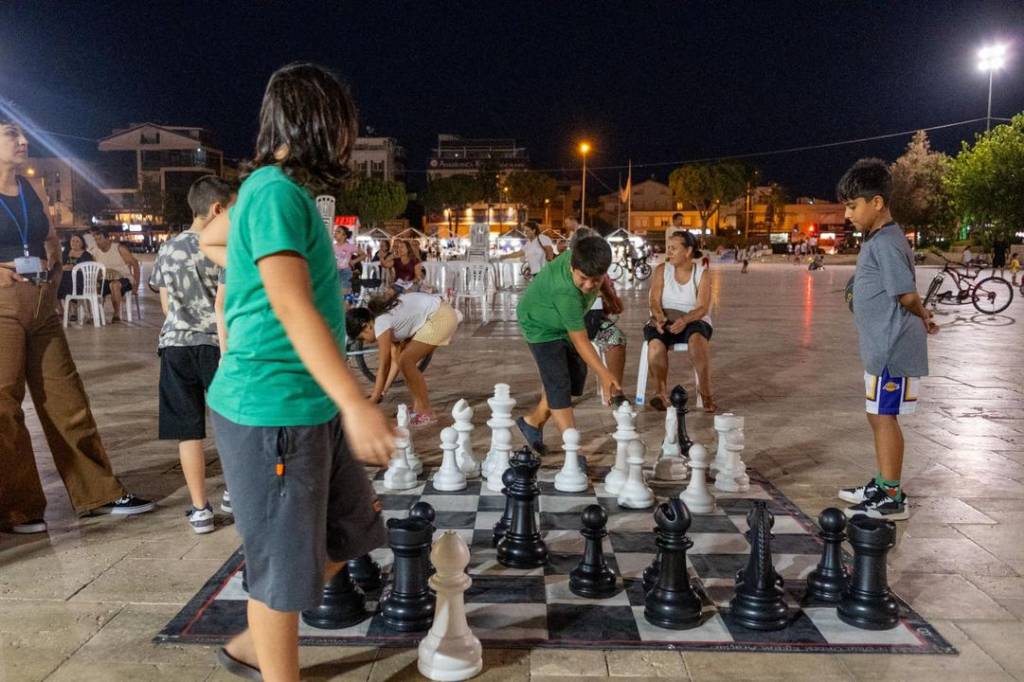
column 562, row 372
column 126, row 286
column 186, row 373
column 669, row 339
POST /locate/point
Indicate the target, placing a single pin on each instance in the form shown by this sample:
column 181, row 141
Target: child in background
column 345, row 256
column 1014, row 267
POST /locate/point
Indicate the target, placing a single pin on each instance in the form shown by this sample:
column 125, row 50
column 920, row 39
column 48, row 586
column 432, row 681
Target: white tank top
column 114, row 262
column 683, row 297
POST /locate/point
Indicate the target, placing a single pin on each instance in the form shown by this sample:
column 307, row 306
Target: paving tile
column 709, row 666
column 646, row 664
column 1002, row 641
column 567, row 663
column 149, row 581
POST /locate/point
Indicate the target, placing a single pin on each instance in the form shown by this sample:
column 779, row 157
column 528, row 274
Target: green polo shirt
column 553, row 306
column 261, row 380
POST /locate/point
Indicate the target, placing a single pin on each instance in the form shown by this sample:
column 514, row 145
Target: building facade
column 378, row 157
column 456, row 155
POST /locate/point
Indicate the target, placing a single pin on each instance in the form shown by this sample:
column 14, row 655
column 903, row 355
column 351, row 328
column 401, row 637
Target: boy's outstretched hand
column 610, row 387
column 929, row 323
column 369, row 434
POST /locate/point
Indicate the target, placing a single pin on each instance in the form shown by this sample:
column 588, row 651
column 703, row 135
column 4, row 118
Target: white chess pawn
column 671, row 466
column 450, row 651
column 502, row 449
column 571, row 478
column 462, row 414
column 635, row 494
column 449, row 477
column 501, row 404
column 732, row 472
column 696, row 496
column 399, row 475
column 625, row 432
column 410, row 452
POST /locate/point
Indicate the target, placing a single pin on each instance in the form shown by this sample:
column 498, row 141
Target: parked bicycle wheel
column 933, row 289
column 615, row 272
column 367, row 361
column 992, row 295
column 642, row 271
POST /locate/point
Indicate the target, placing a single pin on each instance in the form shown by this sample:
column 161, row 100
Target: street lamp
column 991, row 59
column 584, row 149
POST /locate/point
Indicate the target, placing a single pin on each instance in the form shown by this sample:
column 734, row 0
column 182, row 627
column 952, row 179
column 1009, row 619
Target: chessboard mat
column 518, row 608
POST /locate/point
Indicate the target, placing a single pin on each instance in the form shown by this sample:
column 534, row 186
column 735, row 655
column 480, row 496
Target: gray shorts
column 321, row 507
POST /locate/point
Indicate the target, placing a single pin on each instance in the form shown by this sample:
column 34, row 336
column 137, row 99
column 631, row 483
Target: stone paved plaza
column 84, row 602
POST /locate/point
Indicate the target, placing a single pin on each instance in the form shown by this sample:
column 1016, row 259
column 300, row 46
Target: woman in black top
column 74, row 253
column 35, row 351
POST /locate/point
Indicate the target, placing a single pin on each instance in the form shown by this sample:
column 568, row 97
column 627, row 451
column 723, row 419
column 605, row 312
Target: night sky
column 651, row 81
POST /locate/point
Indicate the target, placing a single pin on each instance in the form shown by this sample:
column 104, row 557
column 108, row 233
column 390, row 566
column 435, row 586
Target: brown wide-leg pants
column 33, row 350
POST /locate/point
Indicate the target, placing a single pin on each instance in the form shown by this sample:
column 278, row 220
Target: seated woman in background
column 408, row 269
column 74, row 253
column 406, row 329
column 680, row 302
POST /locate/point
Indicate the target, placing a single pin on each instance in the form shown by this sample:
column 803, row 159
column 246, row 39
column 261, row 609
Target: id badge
column 28, row 265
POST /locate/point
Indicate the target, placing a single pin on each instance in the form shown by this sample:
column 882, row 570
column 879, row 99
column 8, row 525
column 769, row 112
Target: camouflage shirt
column 190, row 279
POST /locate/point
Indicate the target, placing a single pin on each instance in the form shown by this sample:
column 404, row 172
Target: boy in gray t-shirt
column 892, row 330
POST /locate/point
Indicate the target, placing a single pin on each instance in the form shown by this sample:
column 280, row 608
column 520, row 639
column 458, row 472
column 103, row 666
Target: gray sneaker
column 201, row 520
column 225, row 503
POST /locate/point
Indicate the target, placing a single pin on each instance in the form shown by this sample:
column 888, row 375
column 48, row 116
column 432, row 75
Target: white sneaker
column 201, row 520
column 29, row 527
column 225, row 503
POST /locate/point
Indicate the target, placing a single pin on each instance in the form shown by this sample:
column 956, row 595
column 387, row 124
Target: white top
column 113, row 260
column 534, row 252
column 967, row 256
column 406, row 318
column 676, row 296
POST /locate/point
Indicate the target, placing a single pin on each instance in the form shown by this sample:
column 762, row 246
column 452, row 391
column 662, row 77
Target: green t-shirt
column 261, row 380
column 553, row 306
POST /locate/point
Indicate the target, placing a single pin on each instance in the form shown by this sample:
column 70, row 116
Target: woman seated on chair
column 680, row 302
column 406, row 328
column 74, row 254
column 408, row 269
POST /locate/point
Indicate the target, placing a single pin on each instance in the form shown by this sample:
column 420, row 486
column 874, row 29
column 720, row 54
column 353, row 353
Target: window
column 149, row 138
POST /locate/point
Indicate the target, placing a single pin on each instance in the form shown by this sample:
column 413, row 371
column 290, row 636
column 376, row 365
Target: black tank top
column 38, row 225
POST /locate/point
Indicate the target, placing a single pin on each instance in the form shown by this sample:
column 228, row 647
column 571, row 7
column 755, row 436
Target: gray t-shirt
column 191, row 282
column 889, row 335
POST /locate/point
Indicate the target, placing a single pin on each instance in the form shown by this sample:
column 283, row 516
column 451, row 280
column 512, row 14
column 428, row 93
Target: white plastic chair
column 92, row 274
column 641, row 376
column 129, row 300
column 473, row 284
column 432, row 274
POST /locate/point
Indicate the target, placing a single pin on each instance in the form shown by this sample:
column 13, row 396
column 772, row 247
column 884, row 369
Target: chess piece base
column 450, row 666
column 399, row 479
column 593, row 585
column 760, row 612
column 343, row 606
column 672, row 609
column 408, row 614
column 670, row 469
column 571, row 482
column 868, row 612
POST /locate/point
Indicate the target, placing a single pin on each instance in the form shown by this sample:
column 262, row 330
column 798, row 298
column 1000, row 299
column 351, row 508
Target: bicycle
column 991, row 295
column 636, row 267
column 366, row 359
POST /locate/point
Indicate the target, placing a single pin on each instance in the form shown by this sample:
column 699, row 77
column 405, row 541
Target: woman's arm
column 418, row 272
column 285, row 277
column 213, row 240
column 549, row 252
column 657, row 288
column 384, row 344
column 54, row 255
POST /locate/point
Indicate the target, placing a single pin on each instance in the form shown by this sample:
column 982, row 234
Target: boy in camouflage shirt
column 189, row 350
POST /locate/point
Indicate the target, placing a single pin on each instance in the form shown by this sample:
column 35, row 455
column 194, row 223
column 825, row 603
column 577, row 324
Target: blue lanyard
column 22, row 232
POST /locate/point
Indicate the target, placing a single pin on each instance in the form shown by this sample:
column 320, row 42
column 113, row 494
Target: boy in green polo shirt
column 551, row 319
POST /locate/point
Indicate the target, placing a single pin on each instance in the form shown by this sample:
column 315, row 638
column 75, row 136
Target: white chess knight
column 450, row 651
column 410, row 451
column 635, row 494
column 625, row 432
column 671, row 466
column 449, row 478
column 462, row 415
column 502, row 451
column 732, row 472
column 399, row 475
column 696, row 496
column 501, row 404
column 571, row 478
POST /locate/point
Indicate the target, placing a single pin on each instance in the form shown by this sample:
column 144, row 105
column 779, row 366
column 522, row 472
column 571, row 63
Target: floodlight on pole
column 584, row 150
column 991, row 59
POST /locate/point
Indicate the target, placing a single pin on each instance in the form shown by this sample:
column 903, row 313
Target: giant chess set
column 690, row 551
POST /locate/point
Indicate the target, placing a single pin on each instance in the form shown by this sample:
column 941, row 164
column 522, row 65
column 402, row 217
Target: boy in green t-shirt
column 551, row 319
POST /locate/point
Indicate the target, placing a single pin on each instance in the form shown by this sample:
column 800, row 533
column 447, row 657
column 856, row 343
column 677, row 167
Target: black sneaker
column 859, row 494
column 881, row 506
column 128, row 506
column 534, row 436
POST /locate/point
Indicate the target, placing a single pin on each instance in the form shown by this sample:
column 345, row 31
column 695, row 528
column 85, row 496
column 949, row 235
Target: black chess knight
column 759, row 602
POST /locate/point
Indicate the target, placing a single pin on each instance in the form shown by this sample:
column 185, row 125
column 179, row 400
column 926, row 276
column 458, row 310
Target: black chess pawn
column 678, row 398
column 409, row 605
column 366, row 573
column 867, row 603
column 592, row 578
column 343, row 604
column 671, row 602
column 501, row 527
column 827, row 582
column 522, row 546
column 759, row 602
column 423, row 510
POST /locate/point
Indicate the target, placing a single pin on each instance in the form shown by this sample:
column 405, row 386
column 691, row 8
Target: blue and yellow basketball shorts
column 889, row 395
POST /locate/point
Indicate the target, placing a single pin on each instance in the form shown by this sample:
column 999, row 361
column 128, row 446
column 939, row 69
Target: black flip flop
column 658, row 404
column 237, row 667
column 534, row 436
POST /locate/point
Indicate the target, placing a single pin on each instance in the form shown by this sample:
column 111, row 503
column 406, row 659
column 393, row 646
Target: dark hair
column 207, row 191
column 307, row 109
column 582, row 232
column 356, row 320
column 867, row 178
column 688, row 239
column 102, row 231
column 592, row 256
column 533, row 225
column 677, row 215
column 348, row 232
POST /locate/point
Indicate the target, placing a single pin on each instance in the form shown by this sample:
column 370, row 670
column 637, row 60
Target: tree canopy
column 919, row 197
column 705, row 186
column 375, row 200
column 530, row 187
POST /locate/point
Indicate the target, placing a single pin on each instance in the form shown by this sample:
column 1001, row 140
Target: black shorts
column 669, row 339
column 562, row 372
column 126, row 285
column 999, row 260
column 186, row 373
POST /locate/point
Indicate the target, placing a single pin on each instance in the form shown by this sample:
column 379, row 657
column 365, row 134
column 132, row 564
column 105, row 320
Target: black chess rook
column 343, row 604
column 867, row 603
column 409, row 605
column 522, row 546
column 678, row 399
column 501, row 527
column 366, row 573
column 759, row 602
column 672, row 602
column 827, row 582
column 592, row 578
